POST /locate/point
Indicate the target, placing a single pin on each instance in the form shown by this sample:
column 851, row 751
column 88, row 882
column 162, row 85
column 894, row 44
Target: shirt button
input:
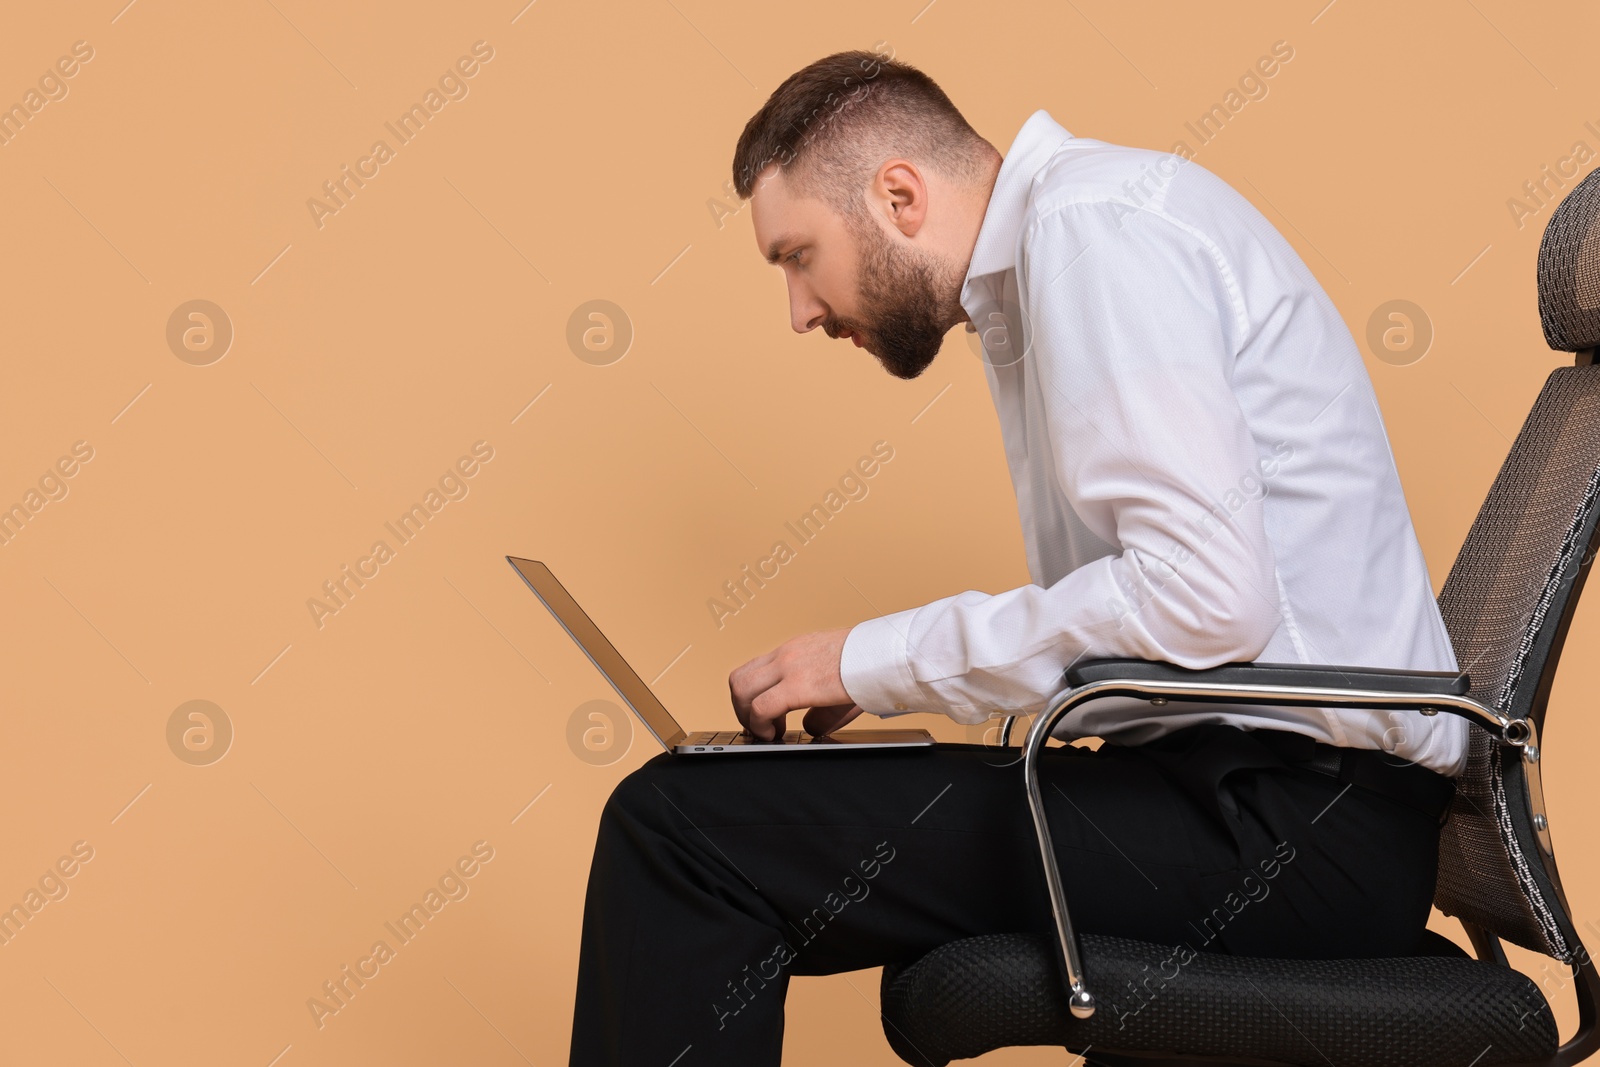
column 899, row 707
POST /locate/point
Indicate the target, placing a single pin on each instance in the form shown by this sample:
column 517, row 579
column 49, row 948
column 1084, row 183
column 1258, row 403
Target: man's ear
column 901, row 193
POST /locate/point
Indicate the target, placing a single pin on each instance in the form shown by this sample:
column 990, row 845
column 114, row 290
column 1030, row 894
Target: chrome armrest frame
column 1516, row 732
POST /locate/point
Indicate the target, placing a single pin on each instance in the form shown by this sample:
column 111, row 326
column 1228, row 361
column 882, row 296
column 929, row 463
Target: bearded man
column 1202, row 477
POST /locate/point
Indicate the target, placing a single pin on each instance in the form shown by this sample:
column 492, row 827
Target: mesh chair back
column 1569, row 271
column 1509, row 599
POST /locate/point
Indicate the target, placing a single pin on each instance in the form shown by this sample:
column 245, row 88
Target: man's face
column 863, row 280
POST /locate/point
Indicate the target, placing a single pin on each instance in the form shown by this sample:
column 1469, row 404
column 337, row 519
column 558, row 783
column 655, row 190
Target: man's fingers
column 821, row 721
column 803, row 672
column 769, row 714
column 768, row 728
column 751, row 680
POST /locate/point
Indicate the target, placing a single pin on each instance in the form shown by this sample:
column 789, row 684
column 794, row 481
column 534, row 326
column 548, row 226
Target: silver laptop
column 656, row 718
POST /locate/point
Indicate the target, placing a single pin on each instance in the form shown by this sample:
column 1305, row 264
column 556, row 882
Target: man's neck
column 970, row 211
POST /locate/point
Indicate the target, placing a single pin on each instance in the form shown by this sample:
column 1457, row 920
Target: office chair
column 1507, row 603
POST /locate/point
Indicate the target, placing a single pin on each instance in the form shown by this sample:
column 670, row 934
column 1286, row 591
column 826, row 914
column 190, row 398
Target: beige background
column 372, row 752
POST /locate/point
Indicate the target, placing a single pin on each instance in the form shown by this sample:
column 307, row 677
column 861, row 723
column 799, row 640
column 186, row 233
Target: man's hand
column 803, row 672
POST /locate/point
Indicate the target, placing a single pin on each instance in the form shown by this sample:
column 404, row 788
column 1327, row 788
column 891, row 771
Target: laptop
column 657, row 719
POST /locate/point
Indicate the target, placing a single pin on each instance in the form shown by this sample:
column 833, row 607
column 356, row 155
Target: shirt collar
column 1034, row 144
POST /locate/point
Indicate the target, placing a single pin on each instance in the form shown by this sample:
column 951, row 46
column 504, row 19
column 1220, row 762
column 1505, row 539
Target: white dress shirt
column 1200, row 466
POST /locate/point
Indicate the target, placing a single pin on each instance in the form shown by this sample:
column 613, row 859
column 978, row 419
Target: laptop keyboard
column 737, row 737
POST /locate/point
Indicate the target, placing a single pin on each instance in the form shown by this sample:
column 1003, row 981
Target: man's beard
column 902, row 321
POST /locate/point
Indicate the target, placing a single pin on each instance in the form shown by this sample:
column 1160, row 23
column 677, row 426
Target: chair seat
column 975, row 995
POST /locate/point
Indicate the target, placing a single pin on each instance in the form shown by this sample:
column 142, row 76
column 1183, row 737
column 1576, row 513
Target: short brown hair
column 832, row 123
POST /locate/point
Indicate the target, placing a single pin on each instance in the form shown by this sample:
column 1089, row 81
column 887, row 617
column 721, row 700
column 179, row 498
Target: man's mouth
column 840, row 335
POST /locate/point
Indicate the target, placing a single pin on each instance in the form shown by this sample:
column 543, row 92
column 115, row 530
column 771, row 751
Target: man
column 1202, row 476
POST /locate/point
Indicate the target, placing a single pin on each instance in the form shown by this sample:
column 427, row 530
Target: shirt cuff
column 875, row 666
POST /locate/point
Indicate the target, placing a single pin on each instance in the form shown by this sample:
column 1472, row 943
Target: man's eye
column 794, row 257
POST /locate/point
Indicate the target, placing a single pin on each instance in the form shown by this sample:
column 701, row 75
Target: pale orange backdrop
column 373, row 346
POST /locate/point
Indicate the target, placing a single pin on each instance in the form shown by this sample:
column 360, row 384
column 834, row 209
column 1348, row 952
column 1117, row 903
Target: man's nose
column 806, row 312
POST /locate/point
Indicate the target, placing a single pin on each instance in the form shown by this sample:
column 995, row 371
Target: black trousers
column 714, row 880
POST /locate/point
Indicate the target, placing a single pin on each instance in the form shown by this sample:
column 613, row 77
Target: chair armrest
column 1241, row 683
column 1439, row 683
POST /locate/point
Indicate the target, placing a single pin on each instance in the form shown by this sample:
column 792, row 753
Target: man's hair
column 831, row 124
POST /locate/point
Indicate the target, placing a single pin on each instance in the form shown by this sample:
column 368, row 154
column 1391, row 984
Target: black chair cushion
column 982, row 993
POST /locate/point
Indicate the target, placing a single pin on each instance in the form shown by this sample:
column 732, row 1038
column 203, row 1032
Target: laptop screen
column 600, row 651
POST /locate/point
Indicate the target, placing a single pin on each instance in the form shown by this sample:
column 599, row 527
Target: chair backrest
column 1509, row 599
